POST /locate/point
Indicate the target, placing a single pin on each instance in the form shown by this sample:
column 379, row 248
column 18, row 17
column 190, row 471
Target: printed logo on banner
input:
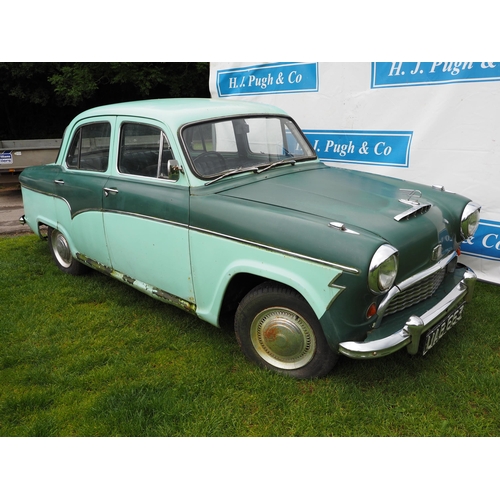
column 485, row 243
column 402, row 74
column 387, row 149
column 6, row 158
column 268, row 79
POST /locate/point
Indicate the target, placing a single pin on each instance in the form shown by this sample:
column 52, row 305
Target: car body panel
column 140, row 247
column 216, row 259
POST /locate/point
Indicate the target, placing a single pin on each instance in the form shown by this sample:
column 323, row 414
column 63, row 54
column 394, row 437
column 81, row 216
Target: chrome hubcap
column 61, row 249
column 283, row 338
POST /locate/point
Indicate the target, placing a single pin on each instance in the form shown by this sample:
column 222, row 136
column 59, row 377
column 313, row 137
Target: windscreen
column 243, row 142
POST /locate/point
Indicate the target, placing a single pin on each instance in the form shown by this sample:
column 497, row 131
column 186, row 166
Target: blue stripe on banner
column 380, row 148
column 485, row 243
column 402, row 74
column 278, row 78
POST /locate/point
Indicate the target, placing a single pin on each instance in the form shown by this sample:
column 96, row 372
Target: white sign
column 430, row 122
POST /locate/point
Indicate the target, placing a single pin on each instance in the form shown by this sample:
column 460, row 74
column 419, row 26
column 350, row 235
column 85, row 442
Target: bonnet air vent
column 414, row 211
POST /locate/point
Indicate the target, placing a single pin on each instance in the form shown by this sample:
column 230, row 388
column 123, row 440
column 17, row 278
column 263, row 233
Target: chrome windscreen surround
column 414, row 289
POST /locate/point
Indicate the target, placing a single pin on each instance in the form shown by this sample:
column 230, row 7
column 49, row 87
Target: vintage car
column 221, row 207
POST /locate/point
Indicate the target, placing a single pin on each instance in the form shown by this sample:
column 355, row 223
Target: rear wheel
column 277, row 329
column 61, row 253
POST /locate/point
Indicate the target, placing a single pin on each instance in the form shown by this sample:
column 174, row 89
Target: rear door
column 79, row 188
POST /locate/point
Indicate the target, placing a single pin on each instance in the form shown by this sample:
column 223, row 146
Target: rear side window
column 89, row 149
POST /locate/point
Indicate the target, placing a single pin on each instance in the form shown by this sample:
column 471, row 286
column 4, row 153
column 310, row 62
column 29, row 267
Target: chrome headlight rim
column 469, row 221
column 383, row 269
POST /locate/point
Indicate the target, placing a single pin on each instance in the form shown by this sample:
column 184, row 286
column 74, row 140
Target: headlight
column 470, row 220
column 383, row 269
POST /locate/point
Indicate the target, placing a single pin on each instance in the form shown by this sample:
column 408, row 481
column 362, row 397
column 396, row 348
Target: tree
column 77, row 82
column 39, row 99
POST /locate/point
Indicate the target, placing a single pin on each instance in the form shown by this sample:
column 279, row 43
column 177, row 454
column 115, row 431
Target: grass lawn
column 90, row 356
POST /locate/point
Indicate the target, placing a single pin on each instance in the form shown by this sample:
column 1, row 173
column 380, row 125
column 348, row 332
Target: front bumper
column 416, row 326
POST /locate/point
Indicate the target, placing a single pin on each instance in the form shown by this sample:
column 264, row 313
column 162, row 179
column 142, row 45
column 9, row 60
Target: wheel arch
column 42, row 224
column 59, row 227
column 313, row 282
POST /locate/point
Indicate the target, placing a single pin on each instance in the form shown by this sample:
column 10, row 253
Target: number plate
column 432, row 337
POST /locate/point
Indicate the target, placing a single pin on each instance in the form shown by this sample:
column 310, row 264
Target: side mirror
column 173, row 169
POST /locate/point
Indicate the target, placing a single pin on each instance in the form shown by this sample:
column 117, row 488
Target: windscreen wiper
column 257, row 170
column 234, row 171
column 285, row 161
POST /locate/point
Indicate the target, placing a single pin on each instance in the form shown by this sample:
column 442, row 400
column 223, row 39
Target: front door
column 146, row 215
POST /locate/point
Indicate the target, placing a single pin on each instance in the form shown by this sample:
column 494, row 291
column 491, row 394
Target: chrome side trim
column 334, row 265
column 337, row 287
column 347, row 269
column 146, row 217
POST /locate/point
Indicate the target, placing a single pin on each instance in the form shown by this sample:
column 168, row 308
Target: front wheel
column 61, row 253
column 277, row 329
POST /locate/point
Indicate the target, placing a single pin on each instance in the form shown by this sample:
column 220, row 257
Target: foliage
column 26, row 81
column 90, row 356
column 76, row 82
column 39, row 99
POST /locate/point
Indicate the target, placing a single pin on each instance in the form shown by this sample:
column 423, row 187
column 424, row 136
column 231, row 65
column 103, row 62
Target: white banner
column 434, row 123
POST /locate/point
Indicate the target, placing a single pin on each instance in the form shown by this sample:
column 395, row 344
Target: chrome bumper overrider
column 415, row 326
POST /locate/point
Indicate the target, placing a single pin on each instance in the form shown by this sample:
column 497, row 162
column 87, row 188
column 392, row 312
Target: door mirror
column 171, row 171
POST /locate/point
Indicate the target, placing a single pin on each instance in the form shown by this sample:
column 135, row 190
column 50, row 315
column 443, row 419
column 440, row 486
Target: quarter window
column 144, row 150
column 89, row 149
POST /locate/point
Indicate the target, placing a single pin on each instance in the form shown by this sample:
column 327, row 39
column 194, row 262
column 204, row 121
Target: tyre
column 277, row 329
column 61, row 253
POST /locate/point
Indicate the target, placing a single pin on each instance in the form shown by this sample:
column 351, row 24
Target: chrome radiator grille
column 420, row 291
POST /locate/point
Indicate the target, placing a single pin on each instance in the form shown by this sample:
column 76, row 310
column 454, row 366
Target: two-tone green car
column 221, row 206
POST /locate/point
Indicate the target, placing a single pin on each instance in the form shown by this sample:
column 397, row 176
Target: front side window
column 243, row 143
column 89, row 149
column 144, row 150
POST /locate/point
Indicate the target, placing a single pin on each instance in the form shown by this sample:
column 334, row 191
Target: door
column 146, row 214
column 79, row 189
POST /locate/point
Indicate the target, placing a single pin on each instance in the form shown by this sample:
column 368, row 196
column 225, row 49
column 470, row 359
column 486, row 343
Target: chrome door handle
column 108, row 191
column 59, row 181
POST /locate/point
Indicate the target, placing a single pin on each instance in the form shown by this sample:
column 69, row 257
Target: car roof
column 177, row 112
